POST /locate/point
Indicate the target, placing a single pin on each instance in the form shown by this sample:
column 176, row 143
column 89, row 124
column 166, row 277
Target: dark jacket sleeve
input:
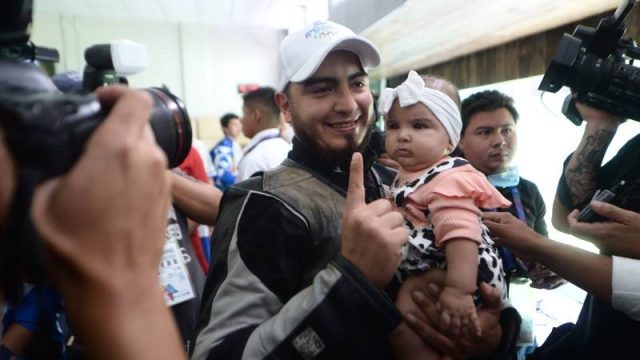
column 539, row 209
column 267, row 299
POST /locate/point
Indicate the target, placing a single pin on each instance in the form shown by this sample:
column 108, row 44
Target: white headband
column 413, row 91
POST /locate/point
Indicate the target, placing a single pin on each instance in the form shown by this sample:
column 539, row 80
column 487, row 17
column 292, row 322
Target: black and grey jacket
column 278, row 287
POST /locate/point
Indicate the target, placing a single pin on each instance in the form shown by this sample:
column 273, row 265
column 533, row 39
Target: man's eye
column 321, row 90
column 359, row 83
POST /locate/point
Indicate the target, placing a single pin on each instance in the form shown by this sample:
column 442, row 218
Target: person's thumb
column 355, row 193
column 609, row 211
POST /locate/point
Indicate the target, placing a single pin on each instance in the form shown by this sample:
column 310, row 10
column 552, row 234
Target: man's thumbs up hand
column 372, row 234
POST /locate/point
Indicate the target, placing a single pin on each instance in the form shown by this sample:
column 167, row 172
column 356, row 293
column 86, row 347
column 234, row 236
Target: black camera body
column 597, row 64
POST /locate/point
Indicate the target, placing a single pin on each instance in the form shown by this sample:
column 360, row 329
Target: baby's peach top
column 453, row 199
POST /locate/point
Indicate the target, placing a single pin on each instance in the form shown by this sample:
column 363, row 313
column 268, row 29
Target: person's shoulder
column 529, row 185
column 632, row 146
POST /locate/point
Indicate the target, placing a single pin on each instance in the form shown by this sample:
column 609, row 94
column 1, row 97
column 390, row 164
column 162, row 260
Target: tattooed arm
column 580, row 173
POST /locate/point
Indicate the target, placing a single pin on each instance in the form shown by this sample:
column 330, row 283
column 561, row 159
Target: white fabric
column 206, row 157
column 625, row 286
column 413, row 91
column 302, row 51
column 264, row 154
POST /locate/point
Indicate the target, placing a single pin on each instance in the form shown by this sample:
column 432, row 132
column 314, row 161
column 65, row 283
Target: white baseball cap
column 302, row 51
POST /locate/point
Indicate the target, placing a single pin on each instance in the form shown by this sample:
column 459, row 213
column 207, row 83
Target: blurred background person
column 261, row 123
column 227, row 153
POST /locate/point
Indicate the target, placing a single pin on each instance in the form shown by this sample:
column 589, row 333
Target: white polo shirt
column 265, row 151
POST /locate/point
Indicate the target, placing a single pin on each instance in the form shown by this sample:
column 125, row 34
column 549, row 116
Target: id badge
column 173, row 274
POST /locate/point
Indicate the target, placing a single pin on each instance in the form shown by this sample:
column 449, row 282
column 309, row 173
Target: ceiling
column 417, row 34
column 421, row 33
column 279, row 14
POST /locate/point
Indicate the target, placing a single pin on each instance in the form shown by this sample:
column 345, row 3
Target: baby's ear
column 449, row 149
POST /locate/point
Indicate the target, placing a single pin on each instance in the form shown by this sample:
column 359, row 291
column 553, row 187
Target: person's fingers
column 464, row 326
column 429, row 334
column 454, row 327
column 491, row 296
column 445, row 321
column 434, row 290
column 381, row 207
column 108, row 95
column 7, row 179
column 497, row 217
column 612, row 212
column 474, row 324
column 427, row 304
column 355, row 193
column 128, row 117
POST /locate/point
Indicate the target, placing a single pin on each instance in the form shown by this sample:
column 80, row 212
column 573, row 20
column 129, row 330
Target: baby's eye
column 419, row 126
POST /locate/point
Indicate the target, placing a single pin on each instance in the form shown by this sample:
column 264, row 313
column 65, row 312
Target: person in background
column 261, row 124
column 205, row 156
column 489, row 142
column 304, row 253
column 227, row 153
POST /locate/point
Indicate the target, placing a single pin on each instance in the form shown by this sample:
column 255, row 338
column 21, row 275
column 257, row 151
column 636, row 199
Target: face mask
column 507, row 178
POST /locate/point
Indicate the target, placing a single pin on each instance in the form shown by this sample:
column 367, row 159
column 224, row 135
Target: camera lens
column 171, row 125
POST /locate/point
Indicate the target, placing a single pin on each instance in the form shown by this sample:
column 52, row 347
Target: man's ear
column 285, row 106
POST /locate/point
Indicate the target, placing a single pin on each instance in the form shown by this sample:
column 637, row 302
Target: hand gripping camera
column 597, row 64
column 46, row 130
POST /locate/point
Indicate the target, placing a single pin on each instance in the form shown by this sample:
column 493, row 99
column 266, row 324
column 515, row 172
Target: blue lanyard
column 507, row 257
column 517, row 201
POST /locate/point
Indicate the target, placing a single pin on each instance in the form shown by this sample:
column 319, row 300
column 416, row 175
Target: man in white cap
column 304, row 253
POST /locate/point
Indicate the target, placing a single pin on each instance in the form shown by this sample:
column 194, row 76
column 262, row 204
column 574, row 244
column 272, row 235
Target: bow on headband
column 413, row 91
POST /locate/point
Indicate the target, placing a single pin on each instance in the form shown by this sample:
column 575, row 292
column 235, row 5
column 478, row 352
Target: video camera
column 46, row 130
column 597, row 64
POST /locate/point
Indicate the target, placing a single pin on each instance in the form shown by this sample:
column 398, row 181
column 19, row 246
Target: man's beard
column 333, row 157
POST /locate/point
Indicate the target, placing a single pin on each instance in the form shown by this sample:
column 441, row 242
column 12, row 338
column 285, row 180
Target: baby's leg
column 405, row 343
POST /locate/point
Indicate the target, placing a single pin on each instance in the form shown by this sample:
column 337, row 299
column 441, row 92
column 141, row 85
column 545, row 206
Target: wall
column 201, row 64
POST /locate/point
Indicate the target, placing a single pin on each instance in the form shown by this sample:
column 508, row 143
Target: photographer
column 606, row 327
column 110, row 205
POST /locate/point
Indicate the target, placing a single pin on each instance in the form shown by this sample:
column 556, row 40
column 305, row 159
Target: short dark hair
column 224, row 120
column 264, row 98
column 487, row 100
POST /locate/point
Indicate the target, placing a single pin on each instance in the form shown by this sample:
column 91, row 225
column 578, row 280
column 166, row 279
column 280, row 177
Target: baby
column 440, row 197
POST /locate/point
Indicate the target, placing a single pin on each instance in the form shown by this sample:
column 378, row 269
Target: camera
column 46, row 130
column 597, row 64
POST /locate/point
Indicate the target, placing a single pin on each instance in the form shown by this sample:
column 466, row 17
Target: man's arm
column 199, row 201
column 580, row 173
column 589, row 271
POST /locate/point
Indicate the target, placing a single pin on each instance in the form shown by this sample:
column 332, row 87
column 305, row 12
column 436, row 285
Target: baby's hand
column 458, row 317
